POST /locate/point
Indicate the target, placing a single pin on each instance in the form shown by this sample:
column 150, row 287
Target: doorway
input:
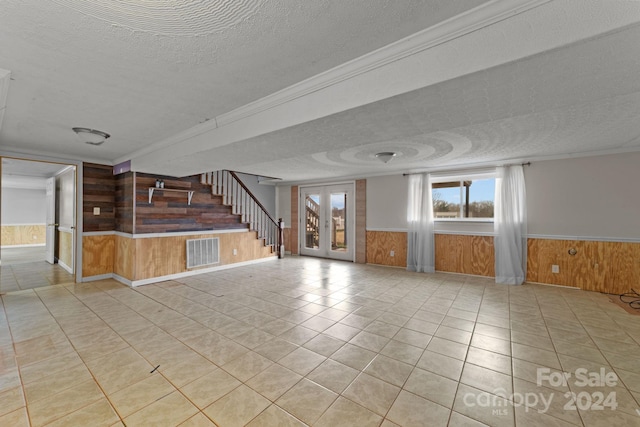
column 38, row 223
column 327, row 221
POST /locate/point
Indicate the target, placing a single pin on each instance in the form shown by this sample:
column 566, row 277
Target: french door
column 327, row 219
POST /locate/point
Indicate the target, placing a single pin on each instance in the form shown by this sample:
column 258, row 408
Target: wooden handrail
column 255, row 199
column 246, row 204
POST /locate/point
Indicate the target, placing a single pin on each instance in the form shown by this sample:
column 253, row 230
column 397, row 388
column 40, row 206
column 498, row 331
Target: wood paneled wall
column 169, row 211
column 98, row 253
column 287, row 239
column 611, row 267
column 381, row 243
column 124, row 202
column 146, row 258
column 124, row 257
column 293, row 235
column 16, row 235
column 65, row 247
column 465, row 254
column 361, row 221
column 98, row 190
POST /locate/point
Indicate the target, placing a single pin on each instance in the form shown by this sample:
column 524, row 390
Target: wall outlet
column 96, row 211
column 555, row 268
column 392, row 253
column 235, row 252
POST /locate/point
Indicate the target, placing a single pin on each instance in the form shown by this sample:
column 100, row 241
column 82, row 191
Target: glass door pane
column 339, row 231
column 326, row 221
column 312, row 221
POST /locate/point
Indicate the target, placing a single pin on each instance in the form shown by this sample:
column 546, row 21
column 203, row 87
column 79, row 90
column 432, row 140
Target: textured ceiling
column 147, row 72
column 578, row 99
column 143, row 71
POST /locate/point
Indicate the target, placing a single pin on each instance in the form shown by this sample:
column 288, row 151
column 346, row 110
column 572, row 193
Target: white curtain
column 510, row 226
column 420, row 241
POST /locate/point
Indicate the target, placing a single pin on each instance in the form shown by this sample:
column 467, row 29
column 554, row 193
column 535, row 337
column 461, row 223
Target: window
column 463, row 197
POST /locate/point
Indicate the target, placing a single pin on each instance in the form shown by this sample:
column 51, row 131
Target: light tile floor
column 307, row 341
column 25, row 268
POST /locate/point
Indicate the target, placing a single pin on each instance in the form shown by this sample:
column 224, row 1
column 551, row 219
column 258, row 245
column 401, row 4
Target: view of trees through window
column 463, row 199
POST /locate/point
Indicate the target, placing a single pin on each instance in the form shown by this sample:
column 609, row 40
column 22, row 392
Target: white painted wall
column 585, row 197
column 581, row 197
column 265, row 193
column 283, row 197
column 65, row 195
column 387, row 203
column 23, row 206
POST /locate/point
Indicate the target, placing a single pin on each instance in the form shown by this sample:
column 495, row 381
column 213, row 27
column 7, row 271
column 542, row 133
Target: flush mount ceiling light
column 385, row 157
column 91, row 136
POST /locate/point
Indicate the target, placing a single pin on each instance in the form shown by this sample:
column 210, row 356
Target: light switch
column 96, row 211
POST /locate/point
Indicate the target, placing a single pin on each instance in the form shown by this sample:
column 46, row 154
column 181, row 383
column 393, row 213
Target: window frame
column 462, row 178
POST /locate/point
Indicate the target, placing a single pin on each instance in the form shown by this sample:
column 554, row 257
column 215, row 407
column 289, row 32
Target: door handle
column 53, row 225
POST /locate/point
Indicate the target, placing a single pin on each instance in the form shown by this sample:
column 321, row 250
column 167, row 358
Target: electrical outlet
column 235, row 252
column 555, row 268
column 392, row 253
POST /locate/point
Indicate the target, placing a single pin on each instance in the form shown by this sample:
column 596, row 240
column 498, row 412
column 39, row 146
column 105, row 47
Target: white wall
column 265, row 193
column 581, row 197
column 65, row 194
column 585, row 197
column 387, row 203
column 283, row 198
column 23, row 206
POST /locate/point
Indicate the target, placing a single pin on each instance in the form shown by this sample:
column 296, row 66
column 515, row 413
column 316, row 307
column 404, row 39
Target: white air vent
column 203, row 252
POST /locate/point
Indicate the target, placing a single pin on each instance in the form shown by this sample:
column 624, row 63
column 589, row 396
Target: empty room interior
column 333, row 213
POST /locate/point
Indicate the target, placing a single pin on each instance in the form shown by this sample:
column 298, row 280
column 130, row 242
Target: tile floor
column 24, row 268
column 303, row 341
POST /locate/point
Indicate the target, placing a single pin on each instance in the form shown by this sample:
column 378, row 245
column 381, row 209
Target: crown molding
column 452, row 28
column 472, row 20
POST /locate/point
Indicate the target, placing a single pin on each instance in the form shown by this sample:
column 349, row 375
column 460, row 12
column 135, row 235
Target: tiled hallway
column 307, row 341
column 25, row 268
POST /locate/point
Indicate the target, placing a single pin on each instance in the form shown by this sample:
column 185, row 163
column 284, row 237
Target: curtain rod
column 462, row 172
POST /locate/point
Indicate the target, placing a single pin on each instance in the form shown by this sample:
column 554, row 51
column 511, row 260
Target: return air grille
column 203, row 252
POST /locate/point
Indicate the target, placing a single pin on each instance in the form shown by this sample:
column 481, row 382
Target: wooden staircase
column 235, row 194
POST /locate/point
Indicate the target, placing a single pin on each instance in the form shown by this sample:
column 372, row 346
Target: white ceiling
column 312, row 90
column 25, row 174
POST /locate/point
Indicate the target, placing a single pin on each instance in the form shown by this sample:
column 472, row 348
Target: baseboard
column 134, row 283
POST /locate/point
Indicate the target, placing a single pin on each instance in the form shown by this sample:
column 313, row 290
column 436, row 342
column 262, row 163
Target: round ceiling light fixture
column 91, row 136
column 386, row 156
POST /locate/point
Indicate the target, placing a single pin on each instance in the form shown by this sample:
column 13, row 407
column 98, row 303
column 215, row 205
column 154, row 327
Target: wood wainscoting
column 465, row 254
column 65, row 248
column 361, row 221
column 381, row 243
column 124, row 256
column 98, row 253
column 611, row 267
column 23, row 235
column 138, row 258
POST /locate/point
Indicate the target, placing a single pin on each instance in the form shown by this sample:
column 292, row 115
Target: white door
column 51, row 220
column 327, row 221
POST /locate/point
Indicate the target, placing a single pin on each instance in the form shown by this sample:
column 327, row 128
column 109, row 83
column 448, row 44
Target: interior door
column 51, row 220
column 327, row 221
